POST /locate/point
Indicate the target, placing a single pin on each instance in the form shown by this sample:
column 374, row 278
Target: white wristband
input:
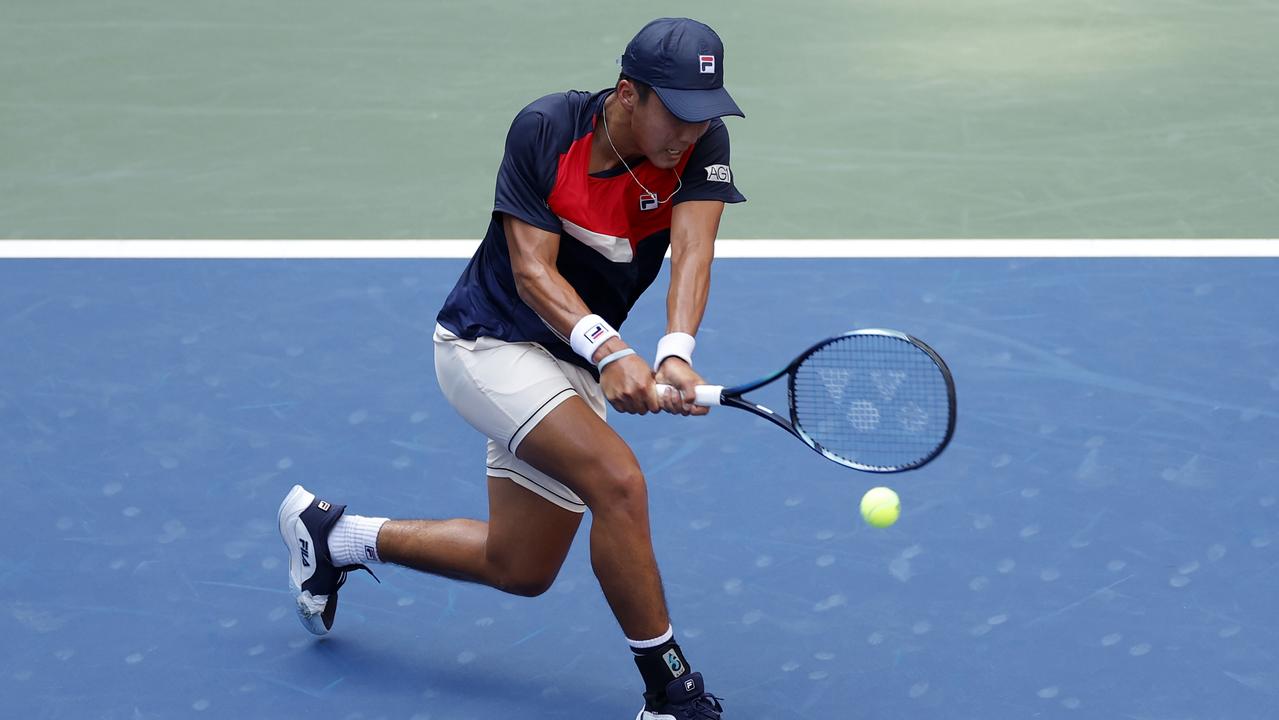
column 589, row 334
column 677, row 344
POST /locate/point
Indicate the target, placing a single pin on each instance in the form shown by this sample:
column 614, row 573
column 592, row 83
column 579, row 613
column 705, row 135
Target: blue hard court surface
column 1098, row 542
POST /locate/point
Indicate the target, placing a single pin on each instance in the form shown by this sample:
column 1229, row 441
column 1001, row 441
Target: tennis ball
column 880, row 507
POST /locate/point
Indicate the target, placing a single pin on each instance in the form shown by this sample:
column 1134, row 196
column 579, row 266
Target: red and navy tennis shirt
column 611, row 248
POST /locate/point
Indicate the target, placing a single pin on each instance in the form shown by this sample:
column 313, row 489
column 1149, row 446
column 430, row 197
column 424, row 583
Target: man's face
column 662, row 137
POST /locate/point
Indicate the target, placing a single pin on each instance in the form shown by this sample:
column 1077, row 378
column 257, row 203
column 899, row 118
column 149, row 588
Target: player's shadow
column 431, row 679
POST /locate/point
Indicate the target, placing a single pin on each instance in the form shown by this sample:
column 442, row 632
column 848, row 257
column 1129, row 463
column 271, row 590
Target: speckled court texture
column 1098, row 542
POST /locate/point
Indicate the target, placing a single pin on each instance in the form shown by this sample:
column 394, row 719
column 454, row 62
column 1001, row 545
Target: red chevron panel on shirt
column 610, row 206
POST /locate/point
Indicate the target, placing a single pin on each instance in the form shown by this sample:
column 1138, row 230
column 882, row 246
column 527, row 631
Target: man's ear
column 626, row 94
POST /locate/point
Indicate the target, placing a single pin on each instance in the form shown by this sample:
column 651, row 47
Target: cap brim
column 698, row 105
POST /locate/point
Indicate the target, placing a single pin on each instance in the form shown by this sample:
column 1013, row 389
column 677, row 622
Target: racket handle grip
column 707, row 395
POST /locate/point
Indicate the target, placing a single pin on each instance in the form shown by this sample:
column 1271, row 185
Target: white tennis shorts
column 504, row 389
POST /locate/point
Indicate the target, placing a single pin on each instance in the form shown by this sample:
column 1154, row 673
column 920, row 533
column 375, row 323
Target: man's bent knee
column 527, row 585
column 528, row 575
column 620, row 489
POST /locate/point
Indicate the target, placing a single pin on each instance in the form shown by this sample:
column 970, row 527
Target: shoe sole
column 294, row 503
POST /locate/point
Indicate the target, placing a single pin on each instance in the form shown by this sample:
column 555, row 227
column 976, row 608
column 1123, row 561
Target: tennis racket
column 873, row 400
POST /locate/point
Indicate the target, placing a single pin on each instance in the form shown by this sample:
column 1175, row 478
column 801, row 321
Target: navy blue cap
column 683, row 60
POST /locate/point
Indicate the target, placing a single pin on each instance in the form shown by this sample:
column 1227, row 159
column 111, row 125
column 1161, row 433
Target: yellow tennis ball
column 880, row 507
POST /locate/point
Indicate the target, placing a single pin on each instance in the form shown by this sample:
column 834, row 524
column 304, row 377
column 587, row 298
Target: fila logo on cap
column 707, row 63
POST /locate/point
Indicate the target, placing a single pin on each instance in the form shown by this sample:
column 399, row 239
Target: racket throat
column 762, row 411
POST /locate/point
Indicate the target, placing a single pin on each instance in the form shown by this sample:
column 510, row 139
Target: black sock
column 659, row 666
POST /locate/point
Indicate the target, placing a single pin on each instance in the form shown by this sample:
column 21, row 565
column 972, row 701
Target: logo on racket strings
column 887, row 382
column 863, row 415
column 835, row 380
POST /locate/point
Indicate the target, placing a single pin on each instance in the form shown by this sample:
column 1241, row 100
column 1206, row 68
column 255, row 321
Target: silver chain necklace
column 649, row 195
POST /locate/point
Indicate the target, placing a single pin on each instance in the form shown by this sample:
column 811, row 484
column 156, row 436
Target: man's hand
column 678, row 374
column 628, row 383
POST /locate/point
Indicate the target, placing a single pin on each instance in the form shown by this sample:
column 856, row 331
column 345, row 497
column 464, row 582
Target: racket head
column 874, row 400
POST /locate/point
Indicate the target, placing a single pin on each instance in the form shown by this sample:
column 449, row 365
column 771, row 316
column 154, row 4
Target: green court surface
column 880, row 118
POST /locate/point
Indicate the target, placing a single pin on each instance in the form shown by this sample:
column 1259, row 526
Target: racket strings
column 873, row 400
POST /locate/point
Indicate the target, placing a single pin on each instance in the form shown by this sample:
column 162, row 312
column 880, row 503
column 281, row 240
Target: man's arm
column 694, row 225
column 628, row 382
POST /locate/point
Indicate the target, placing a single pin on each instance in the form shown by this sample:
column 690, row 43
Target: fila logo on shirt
column 707, row 64
column 718, row 173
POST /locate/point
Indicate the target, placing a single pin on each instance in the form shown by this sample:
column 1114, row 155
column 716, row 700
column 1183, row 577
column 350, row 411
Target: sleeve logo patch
column 718, row 173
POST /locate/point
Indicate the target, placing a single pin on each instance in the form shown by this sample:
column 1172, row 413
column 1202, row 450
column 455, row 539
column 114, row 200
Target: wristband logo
column 594, row 333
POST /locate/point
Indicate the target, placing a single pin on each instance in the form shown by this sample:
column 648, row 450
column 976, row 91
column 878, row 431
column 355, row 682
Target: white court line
column 772, row 248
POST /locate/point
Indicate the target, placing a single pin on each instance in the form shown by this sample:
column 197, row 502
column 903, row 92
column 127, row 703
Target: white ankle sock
column 640, row 645
column 353, row 540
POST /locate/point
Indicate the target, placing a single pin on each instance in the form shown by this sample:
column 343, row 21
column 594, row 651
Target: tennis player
column 592, row 190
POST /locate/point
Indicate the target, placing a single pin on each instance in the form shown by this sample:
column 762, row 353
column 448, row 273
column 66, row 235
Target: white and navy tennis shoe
column 685, row 699
column 305, row 524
